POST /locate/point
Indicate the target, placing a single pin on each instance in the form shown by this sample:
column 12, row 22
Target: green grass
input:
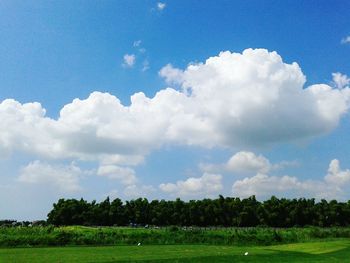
column 98, row 236
column 326, row 251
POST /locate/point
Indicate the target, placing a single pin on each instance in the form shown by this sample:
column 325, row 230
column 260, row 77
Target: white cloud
column 340, row 80
column 244, row 162
column 263, row 185
column 65, row 178
column 121, row 159
column 24, row 127
column 161, row 6
column 248, row 162
column 207, row 184
column 129, row 60
column 345, row 40
column 137, row 43
column 145, row 65
column 231, row 100
column 125, row 175
column 336, row 176
column 250, row 98
column 171, row 75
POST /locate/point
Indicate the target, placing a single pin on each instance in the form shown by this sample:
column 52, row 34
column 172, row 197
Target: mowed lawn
column 325, row 251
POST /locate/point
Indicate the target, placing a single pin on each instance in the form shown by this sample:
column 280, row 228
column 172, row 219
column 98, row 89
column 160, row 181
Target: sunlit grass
column 314, row 247
column 331, row 251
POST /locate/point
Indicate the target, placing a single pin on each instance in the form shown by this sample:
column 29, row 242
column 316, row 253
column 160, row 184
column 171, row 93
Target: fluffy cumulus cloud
column 207, row 185
column 248, row 162
column 251, row 98
column 125, row 175
column 230, row 100
column 340, row 80
column 336, row 176
column 334, row 185
column 171, row 75
column 64, row 178
column 98, row 128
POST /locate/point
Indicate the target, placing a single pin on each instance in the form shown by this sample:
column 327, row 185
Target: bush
column 75, row 235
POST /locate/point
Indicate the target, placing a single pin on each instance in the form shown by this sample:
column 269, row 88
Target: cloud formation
column 250, row 99
column 248, row 162
column 206, row 185
column 171, row 75
column 262, row 185
column 125, row 175
column 245, row 162
column 340, row 80
column 65, row 178
column 129, row 60
column 230, row 100
column 336, row 176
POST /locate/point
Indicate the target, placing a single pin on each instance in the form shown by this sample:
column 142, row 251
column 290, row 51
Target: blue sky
column 241, row 122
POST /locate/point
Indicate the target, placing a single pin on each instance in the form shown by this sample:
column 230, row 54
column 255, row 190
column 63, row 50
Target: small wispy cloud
column 129, row 60
column 137, row 43
column 145, row 65
column 346, row 40
column 161, row 6
column 340, row 80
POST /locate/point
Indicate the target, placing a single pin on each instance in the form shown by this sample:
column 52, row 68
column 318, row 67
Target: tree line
column 222, row 211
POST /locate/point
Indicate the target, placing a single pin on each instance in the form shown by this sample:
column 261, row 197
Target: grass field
column 325, row 251
column 104, row 236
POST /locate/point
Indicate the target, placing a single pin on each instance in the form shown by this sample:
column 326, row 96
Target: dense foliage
column 222, row 211
column 78, row 235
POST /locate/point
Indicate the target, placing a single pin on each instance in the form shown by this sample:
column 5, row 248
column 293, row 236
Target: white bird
column 139, row 244
column 246, row 253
